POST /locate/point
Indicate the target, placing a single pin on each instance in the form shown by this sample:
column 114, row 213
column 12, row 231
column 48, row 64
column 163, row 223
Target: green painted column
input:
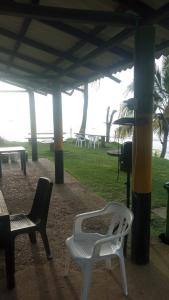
column 33, row 126
column 58, row 136
column 142, row 143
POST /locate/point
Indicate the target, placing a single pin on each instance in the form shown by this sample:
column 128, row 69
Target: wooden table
column 114, row 152
column 6, row 244
column 9, row 150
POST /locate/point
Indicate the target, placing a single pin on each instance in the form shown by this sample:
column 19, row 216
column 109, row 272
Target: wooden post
column 58, row 136
column 33, row 126
column 142, row 142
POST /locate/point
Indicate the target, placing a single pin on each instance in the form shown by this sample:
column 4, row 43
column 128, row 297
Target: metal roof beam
column 89, row 37
column 26, row 85
column 158, row 16
column 65, row 55
column 67, row 14
column 103, row 73
column 105, row 46
column 136, row 6
column 36, row 62
column 144, row 10
column 23, row 30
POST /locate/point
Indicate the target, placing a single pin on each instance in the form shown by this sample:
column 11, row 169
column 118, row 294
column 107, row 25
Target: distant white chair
column 93, row 141
column 88, row 248
column 80, row 140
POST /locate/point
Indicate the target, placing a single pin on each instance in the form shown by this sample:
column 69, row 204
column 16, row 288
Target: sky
column 14, row 113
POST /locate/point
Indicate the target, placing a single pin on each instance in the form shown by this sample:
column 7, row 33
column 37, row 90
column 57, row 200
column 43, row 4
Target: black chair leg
column 46, row 244
column 32, row 237
column 10, row 262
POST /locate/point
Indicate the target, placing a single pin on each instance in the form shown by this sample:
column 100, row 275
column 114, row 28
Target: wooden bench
column 5, row 243
column 41, row 136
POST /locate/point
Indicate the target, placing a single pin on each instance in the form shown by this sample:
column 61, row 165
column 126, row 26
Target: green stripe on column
column 141, row 206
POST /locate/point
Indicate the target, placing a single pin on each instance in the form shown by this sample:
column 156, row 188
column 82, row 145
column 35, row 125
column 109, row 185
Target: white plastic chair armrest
column 77, row 227
column 99, row 243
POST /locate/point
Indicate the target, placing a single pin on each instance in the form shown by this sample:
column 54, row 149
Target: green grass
column 99, row 172
column 95, row 169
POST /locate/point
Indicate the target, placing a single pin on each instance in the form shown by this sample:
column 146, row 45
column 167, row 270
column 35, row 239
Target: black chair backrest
column 40, row 207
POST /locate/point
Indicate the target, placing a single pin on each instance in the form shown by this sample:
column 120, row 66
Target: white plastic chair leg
column 67, row 264
column 123, row 271
column 87, row 273
column 108, row 263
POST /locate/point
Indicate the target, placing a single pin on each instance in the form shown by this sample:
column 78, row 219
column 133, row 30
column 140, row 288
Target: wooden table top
column 114, row 152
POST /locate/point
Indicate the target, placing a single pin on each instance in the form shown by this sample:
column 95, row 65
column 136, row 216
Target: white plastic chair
column 93, row 141
column 88, row 248
column 80, row 140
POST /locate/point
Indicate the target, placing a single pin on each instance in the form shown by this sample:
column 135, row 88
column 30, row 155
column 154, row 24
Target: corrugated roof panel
column 2, row 67
column 161, row 34
column 86, row 49
column 65, row 64
column 84, row 27
column 106, row 59
column 87, row 4
column 109, row 32
column 36, row 53
column 31, row 67
column 16, row 71
column 13, row 24
column 50, row 36
column 67, row 79
column 4, row 57
column 7, row 42
column 63, row 42
column 82, row 71
column 155, row 3
column 128, row 43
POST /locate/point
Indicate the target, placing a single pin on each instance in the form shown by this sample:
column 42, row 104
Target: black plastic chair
column 36, row 220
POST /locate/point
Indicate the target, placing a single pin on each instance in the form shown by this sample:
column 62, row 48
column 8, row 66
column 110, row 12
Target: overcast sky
column 14, row 113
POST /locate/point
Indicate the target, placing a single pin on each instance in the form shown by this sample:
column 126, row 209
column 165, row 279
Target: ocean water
column 157, row 148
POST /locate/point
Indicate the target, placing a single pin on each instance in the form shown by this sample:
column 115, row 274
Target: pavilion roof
column 72, row 42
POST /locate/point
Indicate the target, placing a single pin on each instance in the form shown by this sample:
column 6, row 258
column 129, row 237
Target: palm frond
column 124, row 131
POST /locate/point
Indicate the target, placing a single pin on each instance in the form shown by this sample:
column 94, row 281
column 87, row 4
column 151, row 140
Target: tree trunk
column 164, row 144
column 109, row 123
column 85, row 107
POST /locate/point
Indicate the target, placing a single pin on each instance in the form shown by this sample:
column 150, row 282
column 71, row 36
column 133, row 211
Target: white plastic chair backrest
column 121, row 220
column 80, row 137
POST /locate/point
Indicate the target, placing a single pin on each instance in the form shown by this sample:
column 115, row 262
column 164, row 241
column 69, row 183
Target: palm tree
column 160, row 106
column 85, row 108
column 126, row 110
column 109, row 118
